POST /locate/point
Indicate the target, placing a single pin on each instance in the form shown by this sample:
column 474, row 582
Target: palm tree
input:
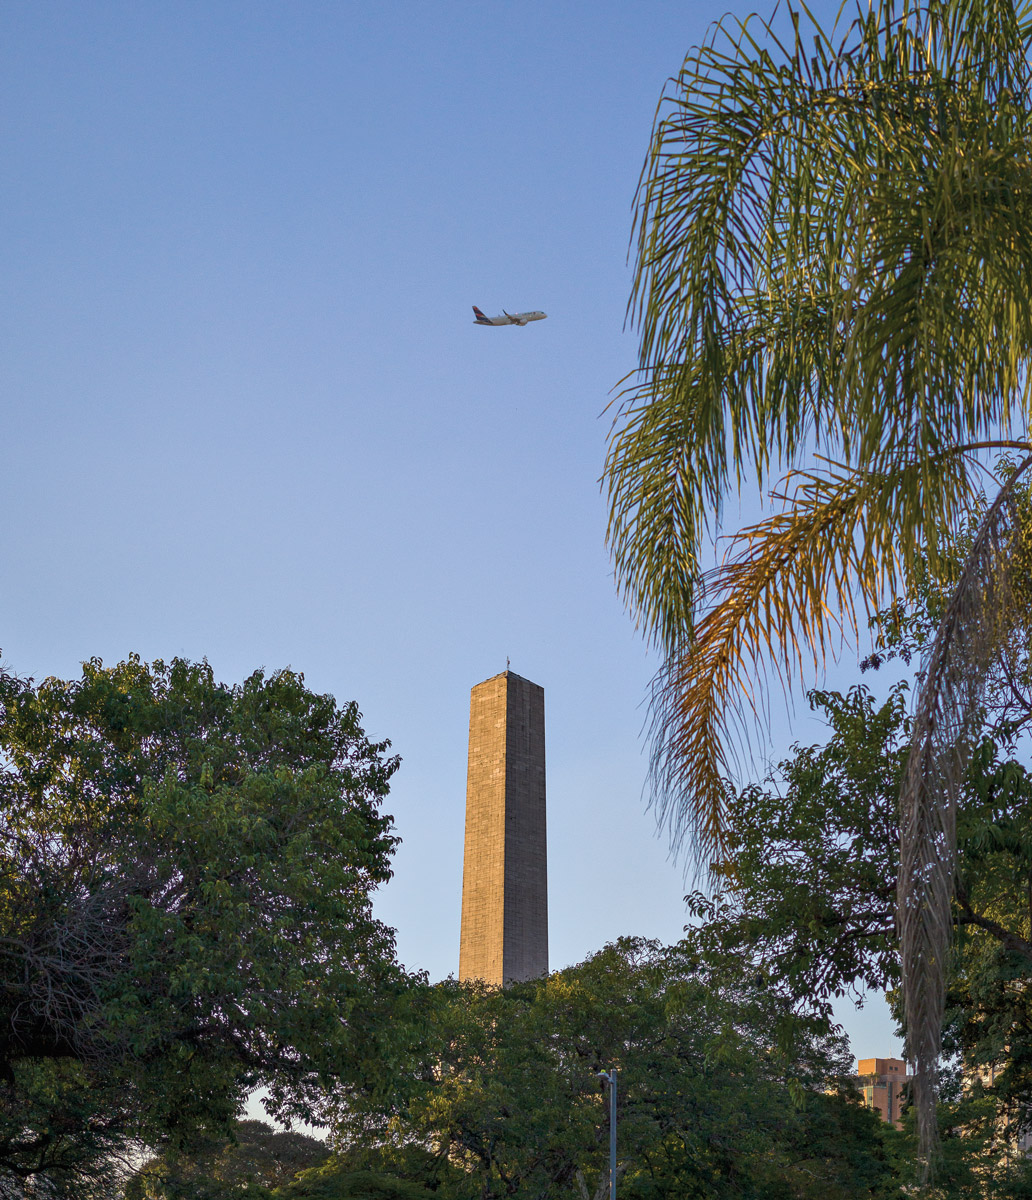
column 834, row 294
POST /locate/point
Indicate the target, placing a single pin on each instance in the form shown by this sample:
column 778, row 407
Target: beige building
column 504, row 872
column 881, row 1083
column 985, row 1077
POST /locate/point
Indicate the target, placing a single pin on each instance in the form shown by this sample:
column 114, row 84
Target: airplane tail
column 479, row 315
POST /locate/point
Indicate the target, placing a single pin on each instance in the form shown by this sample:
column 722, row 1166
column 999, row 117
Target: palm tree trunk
column 970, row 634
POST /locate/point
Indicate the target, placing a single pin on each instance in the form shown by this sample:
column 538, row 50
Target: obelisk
column 504, row 874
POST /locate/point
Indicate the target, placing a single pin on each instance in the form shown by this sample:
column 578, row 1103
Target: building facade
column 881, row 1082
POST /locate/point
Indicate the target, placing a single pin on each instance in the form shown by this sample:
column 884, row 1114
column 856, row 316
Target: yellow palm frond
column 789, row 589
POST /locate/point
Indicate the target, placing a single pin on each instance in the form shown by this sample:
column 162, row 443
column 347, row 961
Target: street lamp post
column 610, row 1078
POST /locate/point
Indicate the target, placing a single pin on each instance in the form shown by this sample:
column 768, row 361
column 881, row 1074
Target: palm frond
column 789, row 589
column 832, row 249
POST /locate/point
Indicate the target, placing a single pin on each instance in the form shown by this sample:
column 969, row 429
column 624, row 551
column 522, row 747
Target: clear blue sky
column 246, row 414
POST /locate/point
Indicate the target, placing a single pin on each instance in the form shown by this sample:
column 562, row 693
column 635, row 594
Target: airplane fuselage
column 522, row 318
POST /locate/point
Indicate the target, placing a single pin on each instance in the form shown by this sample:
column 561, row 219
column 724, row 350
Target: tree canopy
column 185, row 879
column 253, row 1161
column 809, row 905
column 719, row 1095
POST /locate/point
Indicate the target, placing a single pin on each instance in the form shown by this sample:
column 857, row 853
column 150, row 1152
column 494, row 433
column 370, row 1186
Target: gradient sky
column 247, row 416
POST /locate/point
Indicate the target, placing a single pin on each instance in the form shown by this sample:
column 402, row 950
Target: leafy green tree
column 809, row 905
column 254, row 1161
column 338, row 1181
column 62, row 1132
column 808, row 896
column 185, row 879
column 834, row 243
column 720, row 1095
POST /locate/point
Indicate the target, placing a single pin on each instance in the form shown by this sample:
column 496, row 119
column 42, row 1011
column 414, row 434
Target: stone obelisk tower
column 504, row 876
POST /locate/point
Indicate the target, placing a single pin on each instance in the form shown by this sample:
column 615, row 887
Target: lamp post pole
column 610, row 1078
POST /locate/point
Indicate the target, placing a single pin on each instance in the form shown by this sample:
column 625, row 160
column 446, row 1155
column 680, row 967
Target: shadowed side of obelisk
column 504, row 879
column 525, row 945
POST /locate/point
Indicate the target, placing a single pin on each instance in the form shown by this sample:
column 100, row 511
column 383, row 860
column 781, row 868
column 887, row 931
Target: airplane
column 507, row 319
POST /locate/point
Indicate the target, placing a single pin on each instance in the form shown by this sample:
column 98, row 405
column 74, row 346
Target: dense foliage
column 809, row 904
column 719, row 1095
column 185, row 878
column 246, row 1166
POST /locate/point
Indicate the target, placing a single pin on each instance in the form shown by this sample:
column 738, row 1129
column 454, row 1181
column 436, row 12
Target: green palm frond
column 776, row 319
